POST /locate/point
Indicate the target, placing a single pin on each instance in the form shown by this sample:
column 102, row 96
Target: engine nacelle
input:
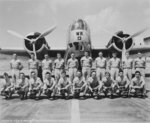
column 41, row 45
column 116, row 43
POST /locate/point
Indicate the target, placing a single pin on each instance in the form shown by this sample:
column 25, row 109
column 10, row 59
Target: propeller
column 45, row 33
column 17, row 35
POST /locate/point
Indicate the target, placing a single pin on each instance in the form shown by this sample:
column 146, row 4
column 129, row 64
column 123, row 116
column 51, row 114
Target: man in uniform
column 122, row 83
column 7, row 86
column 33, row 65
column 93, row 84
column 100, row 66
column 138, row 84
column 79, row 85
column 127, row 66
column 140, row 64
column 86, row 63
column 35, row 86
column 72, row 65
column 64, row 86
column 59, row 65
column 22, row 86
column 114, row 65
column 15, row 66
column 46, row 66
column 49, row 85
column 108, row 84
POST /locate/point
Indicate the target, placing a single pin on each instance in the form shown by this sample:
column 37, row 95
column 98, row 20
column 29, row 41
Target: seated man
column 64, row 86
column 108, row 85
column 22, row 86
column 137, row 85
column 49, row 85
column 79, row 85
column 93, row 84
column 35, row 86
column 8, row 87
column 122, row 83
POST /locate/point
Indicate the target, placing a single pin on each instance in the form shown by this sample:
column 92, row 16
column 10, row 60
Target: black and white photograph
column 74, row 61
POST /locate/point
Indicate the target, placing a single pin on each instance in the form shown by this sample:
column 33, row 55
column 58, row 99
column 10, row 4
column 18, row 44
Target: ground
column 118, row 110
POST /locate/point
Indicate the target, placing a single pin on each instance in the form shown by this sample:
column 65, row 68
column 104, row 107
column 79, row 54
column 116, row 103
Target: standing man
column 15, row 66
column 114, row 65
column 59, row 65
column 46, row 66
column 86, row 64
column 140, row 64
column 72, row 65
column 33, row 65
column 127, row 66
column 100, row 66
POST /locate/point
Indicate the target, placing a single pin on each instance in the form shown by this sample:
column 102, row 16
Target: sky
column 25, row 16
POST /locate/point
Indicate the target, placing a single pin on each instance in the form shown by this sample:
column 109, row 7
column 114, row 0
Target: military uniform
column 59, row 67
column 33, row 66
column 139, row 65
column 127, row 68
column 15, row 70
column 114, row 64
column 46, row 67
column 86, row 66
column 100, row 67
column 72, row 66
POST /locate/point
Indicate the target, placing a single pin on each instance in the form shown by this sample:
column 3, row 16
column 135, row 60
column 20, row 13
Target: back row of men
column 102, row 65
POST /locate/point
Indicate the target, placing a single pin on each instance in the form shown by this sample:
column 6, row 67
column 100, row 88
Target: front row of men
column 34, row 87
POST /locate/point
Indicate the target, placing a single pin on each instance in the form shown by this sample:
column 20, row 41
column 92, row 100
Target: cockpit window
column 79, row 24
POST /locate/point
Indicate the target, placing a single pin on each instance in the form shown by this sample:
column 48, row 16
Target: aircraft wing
column 144, row 49
column 10, row 51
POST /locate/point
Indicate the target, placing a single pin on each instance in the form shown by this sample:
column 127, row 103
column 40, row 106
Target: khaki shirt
column 100, row 62
column 78, row 83
column 15, row 64
column 139, row 63
column 47, row 64
column 93, row 82
column 127, row 63
column 35, row 82
column 21, row 83
column 50, row 82
column 72, row 63
column 86, row 61
column 122, row 81
column 114, row 63
column 107, row 82
column 63, row 82
column 59, row 64
column 33, row 64
column 137, row 82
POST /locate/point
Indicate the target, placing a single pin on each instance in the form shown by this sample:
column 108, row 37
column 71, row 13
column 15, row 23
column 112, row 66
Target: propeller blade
column 123, row 52
column 136, row 34
column 34, row 51
column 111, row 34
column 17, row 35
column 48, row 31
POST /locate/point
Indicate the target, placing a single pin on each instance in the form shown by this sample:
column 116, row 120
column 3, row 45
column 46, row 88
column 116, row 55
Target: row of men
column 34, row 87
column 102, row 65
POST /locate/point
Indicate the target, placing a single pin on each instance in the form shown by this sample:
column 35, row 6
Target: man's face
column 58, row 56
column 137, row 75
column 107, row 75
column 93, row 75
column 139, row 55
column 78, row 74
column 120, row 73
column 72, row 55
column 100, row 54
column 14, row 56
column 63, row 75
column 5, row 77
column 32, row 56
column 86, row 54
column 22, row 76
column 33, row 75
column 46, row 56
column 114, row 55
column 48, row 76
